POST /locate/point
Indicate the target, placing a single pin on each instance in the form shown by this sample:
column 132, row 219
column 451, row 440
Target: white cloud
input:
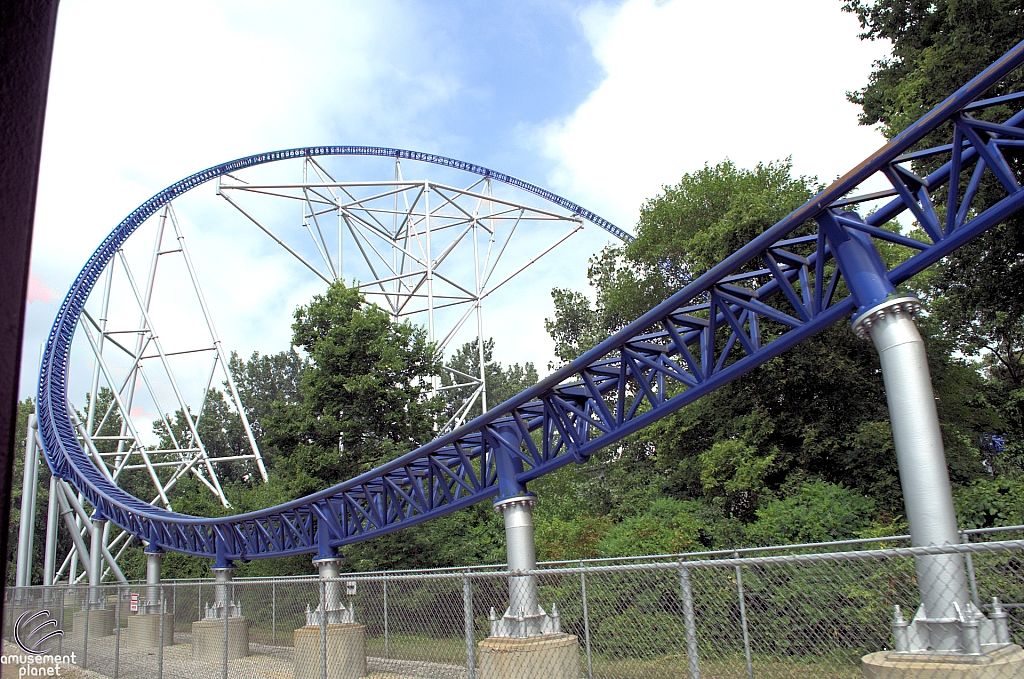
column 142, row 96
column 690, row 82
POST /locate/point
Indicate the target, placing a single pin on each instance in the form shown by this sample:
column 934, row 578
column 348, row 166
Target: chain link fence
column 803, row 611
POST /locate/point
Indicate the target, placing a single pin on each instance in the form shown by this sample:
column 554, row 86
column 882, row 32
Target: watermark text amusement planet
column 31, row 632
column 31, row 665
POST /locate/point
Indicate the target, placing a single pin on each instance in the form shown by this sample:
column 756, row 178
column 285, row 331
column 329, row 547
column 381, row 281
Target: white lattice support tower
column 431, row 250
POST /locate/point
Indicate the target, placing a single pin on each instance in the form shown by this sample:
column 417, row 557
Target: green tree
column 668, row 526
column 501, row 383
column 815, row 414
column 363, row 397
column 937, row 46
column 682, row 233
column 263, row 381
column 812, row 511
column 222, row 433
column 974, row 294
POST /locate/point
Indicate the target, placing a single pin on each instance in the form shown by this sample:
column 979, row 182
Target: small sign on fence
column 134, row 606
column 350, row 587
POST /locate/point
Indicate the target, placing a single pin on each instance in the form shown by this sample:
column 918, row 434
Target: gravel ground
column 264, row 662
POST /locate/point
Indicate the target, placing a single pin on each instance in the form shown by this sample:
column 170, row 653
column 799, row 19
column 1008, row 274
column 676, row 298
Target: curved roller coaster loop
column 814, row 267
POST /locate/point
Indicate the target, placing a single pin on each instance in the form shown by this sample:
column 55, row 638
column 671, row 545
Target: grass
column 451, row 651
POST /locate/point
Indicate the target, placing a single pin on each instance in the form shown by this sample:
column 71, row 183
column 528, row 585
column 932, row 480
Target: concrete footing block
column 101, row 624
column 208, row 639
column 346, row 651
column 1004, row 662
column 144, row 630
column 552, row 656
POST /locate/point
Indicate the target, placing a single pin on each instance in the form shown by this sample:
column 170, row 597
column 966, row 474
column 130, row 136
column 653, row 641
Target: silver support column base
column 337, row 613
column 977, row 633
column 522, row 626
column 222, row 605
column 335, row 616
column 217, row 611
column 153, row 607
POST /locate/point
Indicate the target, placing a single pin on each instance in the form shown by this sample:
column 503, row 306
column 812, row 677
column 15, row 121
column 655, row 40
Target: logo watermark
column 32, row 631
column 31, row 641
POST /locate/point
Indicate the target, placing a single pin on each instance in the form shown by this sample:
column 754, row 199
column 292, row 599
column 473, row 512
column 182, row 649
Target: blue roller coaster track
column 790, row 282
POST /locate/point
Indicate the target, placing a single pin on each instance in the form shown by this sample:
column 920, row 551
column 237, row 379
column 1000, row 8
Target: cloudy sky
column 601, row 102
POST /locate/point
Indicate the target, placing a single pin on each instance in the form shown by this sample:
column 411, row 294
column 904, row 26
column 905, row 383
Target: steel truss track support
column 524, row 616
column 946, row 621
column 698, row 339
column 70, row 508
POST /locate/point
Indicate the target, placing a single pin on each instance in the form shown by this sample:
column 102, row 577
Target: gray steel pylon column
column 223, row 606
column 924, row 476
column 331, row 602
column 23, row 569
column 50, row 548
column 154, row 598
column 96, row 598
column 521, row 552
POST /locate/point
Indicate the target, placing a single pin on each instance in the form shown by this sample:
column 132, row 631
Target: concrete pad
column 1001, row 663
column 101, row 624
column 208, row 639
column 346, row 651
column 144, row 630
column 552, row 656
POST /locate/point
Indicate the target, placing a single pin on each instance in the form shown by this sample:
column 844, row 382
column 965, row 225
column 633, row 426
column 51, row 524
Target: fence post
column 970, row 574
column 387, row 649
column 323, row 629
column 467, row 605
column 117, row 634
column 226, row 610
column 586, row 620
column 85, row 635
column 690, row 622
column 160, row 648
column 273, row 613
column 743, row 618
column 60, row 639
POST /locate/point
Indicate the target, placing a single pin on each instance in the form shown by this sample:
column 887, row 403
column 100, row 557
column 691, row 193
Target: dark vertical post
column 226, row 610
column 26, row 46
